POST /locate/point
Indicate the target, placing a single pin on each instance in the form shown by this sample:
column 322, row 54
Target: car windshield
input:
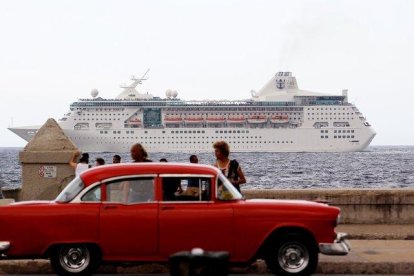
column 71, row 190
column 225, row 190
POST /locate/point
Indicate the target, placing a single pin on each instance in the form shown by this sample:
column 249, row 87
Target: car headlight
column 338, row 219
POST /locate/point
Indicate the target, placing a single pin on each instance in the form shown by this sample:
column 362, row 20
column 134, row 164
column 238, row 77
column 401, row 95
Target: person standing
column 83, row 164
column 99, row 162
column 139, row 154
column 193, row 188
column 194, row 159
column 116, row 159
column 230, row 168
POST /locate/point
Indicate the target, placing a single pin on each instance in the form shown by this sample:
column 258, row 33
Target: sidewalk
column 384, row 249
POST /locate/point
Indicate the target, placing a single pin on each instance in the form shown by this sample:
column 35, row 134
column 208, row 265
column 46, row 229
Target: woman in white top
column 83, row 164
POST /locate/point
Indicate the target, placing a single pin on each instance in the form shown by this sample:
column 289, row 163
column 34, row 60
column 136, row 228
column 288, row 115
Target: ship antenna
column 141, row 78
column 136, row 80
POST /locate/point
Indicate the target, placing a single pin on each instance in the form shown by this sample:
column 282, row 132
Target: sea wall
column 358, row 206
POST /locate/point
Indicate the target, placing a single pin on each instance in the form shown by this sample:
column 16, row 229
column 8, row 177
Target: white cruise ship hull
column 279, row 118
column 256, row 140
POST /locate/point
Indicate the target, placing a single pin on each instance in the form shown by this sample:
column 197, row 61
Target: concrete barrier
column 6, row 201
column 11, row 193
column 45, row 168
column 359, row 206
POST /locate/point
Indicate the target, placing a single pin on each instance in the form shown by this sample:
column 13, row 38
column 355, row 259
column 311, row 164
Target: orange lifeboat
column 282, row 119
column 194, row 120
column 257, row 119
column 236, row 119
column 215, row 120
column 135, row 121
column 173, row 119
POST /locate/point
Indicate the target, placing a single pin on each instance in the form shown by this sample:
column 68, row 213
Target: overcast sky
column 53, row 52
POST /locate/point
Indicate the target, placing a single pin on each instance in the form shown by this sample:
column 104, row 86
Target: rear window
column 132, row 190
column 188, row 188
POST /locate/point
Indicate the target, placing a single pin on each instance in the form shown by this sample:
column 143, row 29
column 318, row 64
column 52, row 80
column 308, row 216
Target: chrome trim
column 187, row 202
column 186, row 175
column 340, row 246
column 129, row 176
column 4, row 245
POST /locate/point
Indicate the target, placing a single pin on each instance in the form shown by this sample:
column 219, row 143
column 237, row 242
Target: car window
column 133, row 190
column 71, row 190
column 93, row 195
column 186, row 188
column 225, row 190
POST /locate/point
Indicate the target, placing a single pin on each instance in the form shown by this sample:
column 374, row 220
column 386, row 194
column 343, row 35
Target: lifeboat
column 235, row 119
column 173, row 119
column 215, row 120
column 282, row 119
column 103, row 125
column 194, row 120
column 81, row 126
column 257, row 119
column 134, row 121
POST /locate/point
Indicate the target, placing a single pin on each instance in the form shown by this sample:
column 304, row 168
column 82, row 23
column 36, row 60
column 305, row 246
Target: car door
column 128, row 219
column 189, row 218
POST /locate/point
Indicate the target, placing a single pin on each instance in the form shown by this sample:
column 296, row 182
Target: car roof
column 100, row 173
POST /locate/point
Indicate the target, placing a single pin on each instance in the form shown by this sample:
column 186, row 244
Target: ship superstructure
column 278, row 118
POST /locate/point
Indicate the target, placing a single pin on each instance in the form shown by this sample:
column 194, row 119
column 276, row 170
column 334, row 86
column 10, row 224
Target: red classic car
column 146, row 212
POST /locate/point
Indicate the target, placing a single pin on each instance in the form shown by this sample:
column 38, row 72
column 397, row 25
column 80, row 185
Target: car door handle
column 167, row 207
column 110, row 207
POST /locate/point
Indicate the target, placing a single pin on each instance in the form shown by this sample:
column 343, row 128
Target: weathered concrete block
column 45, row 168
column 12, row 193
column 365, row 206
column 6, row 201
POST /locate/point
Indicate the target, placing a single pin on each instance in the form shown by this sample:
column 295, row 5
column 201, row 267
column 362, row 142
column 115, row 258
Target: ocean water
column 377, row 167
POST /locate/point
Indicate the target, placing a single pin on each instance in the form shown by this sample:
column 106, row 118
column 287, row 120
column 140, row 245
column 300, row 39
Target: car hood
column 285, row 201
column 286, row 205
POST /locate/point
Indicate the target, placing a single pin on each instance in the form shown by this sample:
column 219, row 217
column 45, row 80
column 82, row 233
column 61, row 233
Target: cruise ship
column 278, row 118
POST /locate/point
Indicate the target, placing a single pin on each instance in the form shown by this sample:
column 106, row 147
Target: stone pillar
column 45, row 163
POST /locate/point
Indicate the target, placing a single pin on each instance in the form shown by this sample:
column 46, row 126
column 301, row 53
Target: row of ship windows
column 101, row 109
column 93, row 119
column 200, row 142
column 178, row 131
column 115, row 119
column 184, row 131
column 189, row 137
column 234, row 109
column 104, row 114
column 330, row 114
column 331, row 118
column 317, row 108
column 232, row 114
column 200, row 114
column 339, row 131
column 339, row 136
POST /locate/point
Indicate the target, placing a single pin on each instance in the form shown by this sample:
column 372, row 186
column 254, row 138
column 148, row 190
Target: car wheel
column 293, row 254
column 74, row 259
